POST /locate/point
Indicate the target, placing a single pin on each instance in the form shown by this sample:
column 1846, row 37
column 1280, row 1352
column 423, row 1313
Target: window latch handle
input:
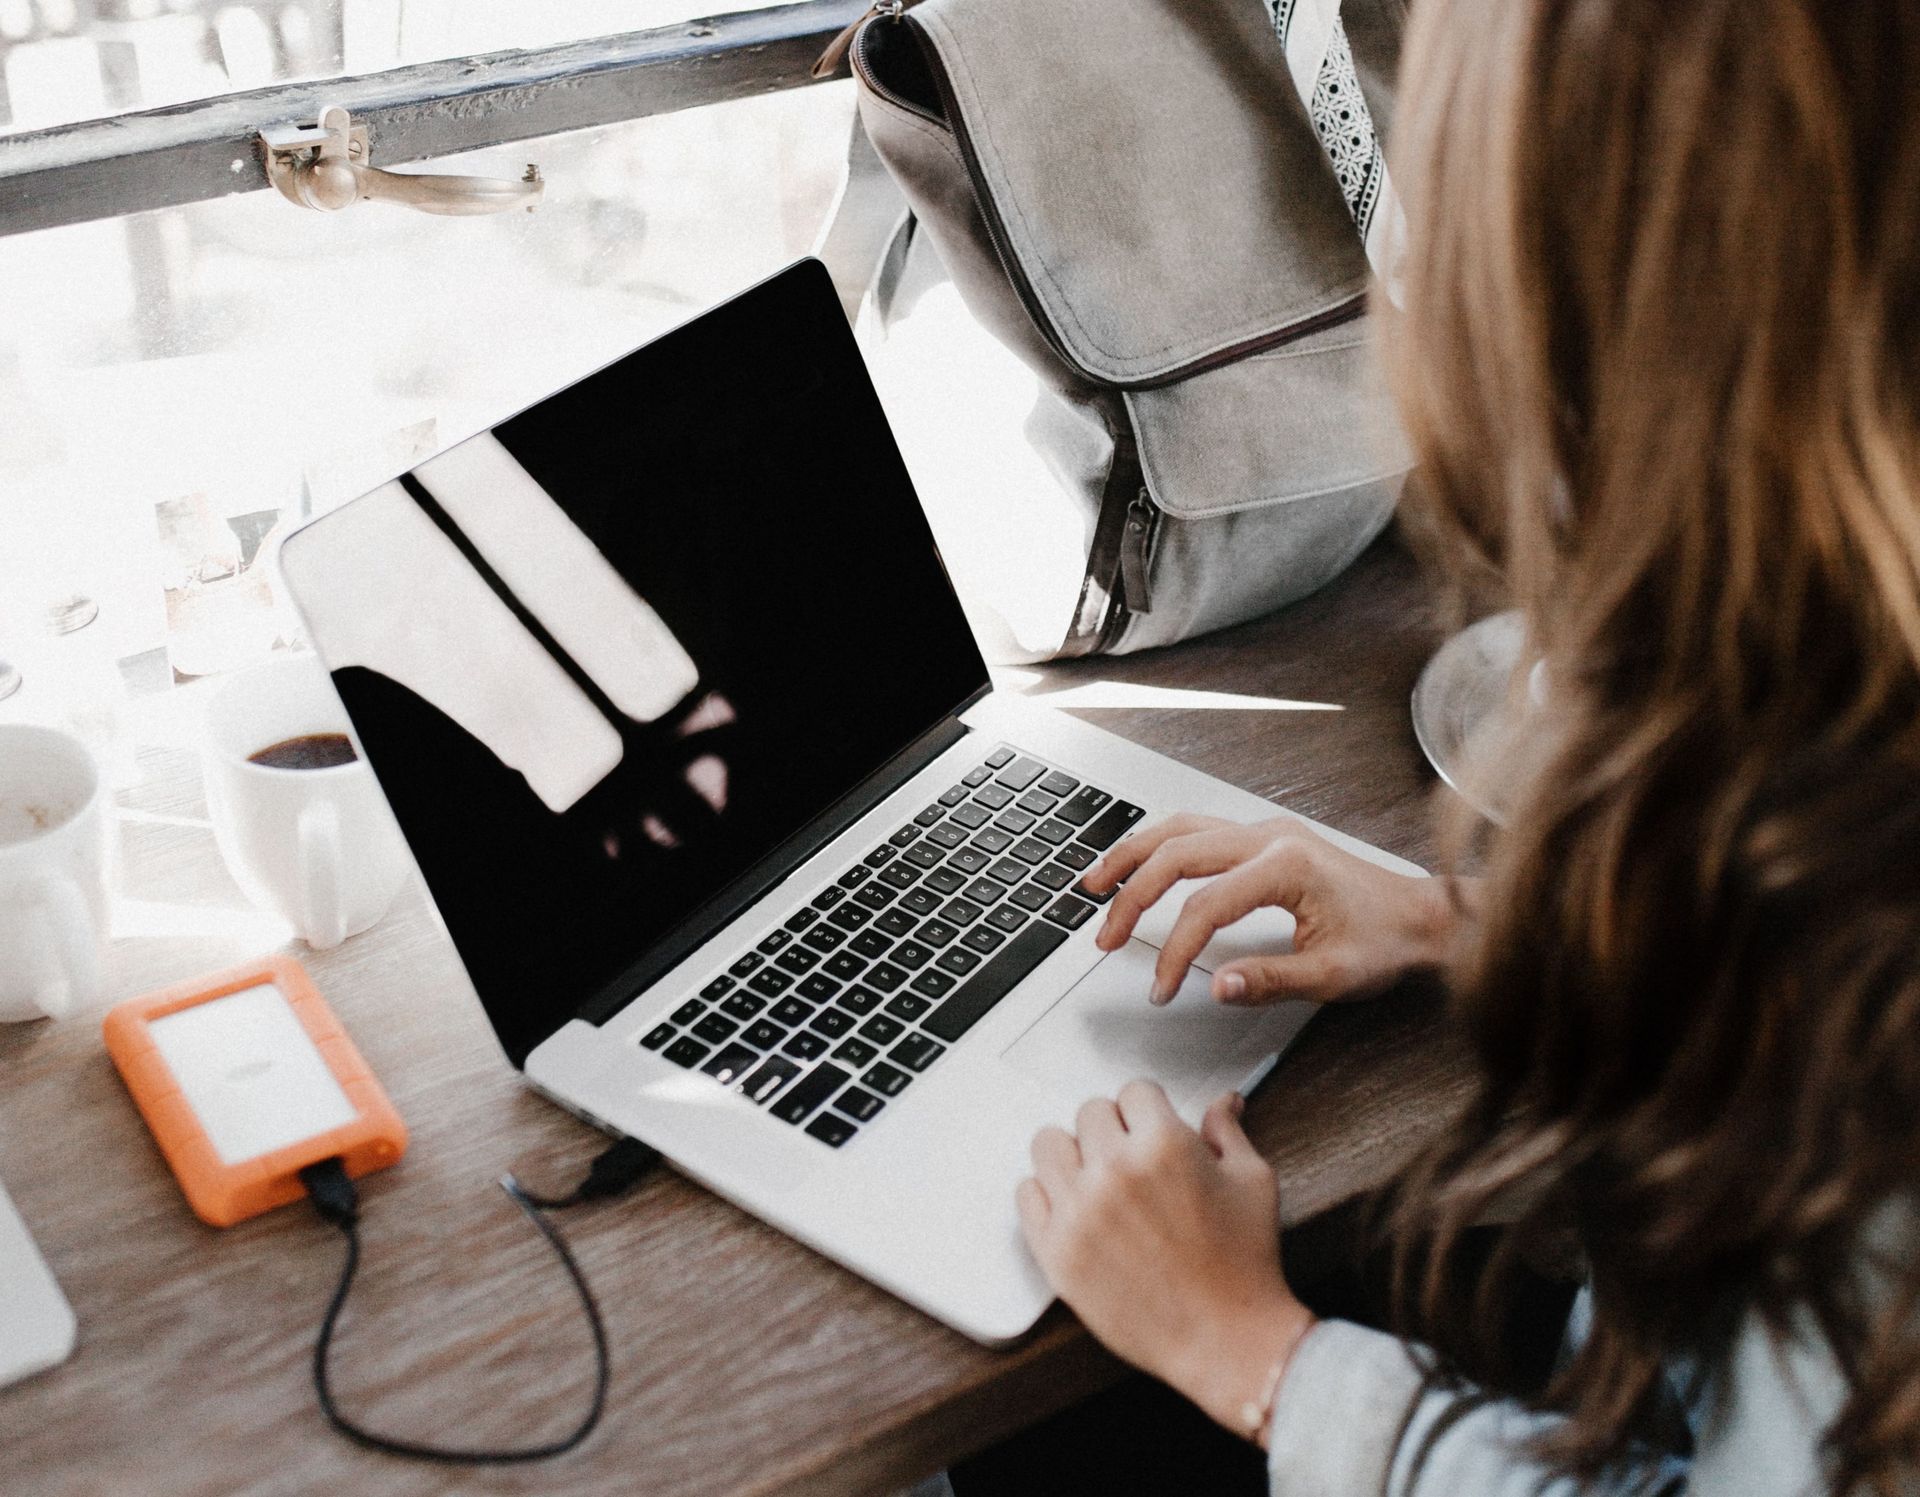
column 326, row 167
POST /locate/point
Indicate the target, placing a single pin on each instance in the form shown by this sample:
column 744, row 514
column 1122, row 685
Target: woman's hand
column 1166, row 1243
column 1358, row 927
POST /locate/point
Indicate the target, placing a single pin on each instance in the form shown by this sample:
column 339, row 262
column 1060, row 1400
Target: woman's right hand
column 1358, row 928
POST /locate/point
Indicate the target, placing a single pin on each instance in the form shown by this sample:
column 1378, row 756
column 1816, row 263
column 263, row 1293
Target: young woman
column 1661, row 361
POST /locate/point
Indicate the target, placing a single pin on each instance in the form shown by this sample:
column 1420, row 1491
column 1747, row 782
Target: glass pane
column 68, row 60
column 178, row 386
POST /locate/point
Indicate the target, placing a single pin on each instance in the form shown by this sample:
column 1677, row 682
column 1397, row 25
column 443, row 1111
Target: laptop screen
column 609, row 655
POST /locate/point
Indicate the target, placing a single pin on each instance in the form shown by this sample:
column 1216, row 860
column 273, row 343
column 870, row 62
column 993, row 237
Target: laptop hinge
column 709, row 919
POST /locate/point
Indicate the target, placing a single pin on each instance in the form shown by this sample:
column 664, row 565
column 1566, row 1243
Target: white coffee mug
column 53, row 872
column 317, row 846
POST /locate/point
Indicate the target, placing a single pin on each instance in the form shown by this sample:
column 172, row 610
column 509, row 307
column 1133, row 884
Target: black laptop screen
column 607, row 657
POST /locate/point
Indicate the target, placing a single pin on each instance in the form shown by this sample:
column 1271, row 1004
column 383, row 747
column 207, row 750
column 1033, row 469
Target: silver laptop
column 744, row 855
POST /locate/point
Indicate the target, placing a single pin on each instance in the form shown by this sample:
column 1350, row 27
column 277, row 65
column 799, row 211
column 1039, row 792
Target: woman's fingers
column 1317, row 976
column 1056, row 1159
column 1131, row 851
column 1099, row 1128
column 1036, row 1211
column 1199, row 854
column 1223, row 1133
column 1275, row 877
column 1145, row 1108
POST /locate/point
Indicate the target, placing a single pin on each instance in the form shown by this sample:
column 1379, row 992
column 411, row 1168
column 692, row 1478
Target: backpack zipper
column 1136, row 545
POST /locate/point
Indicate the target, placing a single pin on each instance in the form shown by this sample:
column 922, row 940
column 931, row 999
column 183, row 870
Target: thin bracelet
column 1257, row 1414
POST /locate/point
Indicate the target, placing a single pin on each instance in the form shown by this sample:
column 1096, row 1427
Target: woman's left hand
column 1166, row 1243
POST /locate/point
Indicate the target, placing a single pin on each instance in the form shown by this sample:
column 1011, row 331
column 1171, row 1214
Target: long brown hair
column 1661, row 362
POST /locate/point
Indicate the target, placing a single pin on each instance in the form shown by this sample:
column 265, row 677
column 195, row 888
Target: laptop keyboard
column 836, row 1011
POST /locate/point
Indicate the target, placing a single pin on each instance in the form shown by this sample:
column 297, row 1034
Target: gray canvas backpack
column 1128, row 194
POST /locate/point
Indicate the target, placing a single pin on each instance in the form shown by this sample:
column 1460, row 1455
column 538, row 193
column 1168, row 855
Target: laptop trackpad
column 1103, row 1033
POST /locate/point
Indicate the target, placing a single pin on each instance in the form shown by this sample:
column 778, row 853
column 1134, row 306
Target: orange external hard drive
column 246, row 1078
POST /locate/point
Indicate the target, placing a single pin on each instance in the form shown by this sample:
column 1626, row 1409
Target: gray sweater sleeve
column 1351, row 1418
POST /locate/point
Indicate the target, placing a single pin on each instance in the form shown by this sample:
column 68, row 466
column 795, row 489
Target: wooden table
column 742, row 1362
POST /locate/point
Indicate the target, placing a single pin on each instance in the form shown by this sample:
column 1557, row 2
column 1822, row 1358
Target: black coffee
column 310, row 751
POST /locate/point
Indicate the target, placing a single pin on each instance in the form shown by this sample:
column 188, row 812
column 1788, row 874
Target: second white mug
column 316, row 845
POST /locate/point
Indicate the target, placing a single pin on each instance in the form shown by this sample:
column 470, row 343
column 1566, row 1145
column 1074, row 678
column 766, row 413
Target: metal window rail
column 186, row 153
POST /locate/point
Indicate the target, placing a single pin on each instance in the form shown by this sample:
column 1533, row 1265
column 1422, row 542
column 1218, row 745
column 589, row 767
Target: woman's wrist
column 1234, row 1373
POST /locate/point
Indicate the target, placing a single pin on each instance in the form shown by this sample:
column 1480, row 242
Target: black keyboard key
column 855, row 1051
column 766, row 1034
column 798, row 960
column 958, row 960
column 1032, row 850
column 828, row 897
column 905, row 835
column 1032, row 897
column 832, row 1022
column 799, row 920
column 880, row 856
column 1020, row 774
column 851, row 916
column 1053, row 876
column 1038, row 802
column 1059, row 784
column 721, row 983
column 1052, row 831
column 775, row 1072
column 954, row 796
column 687, row 1012
column 882, row 1030
column 1070, row 912
column 908, row 1006
column 743, row 1006
column 999, row 757
column 845, row 966
column 971, row 816
column 1110, row 824
column 984, row 939
column 858, row 1000
column 1014, row 820
column 924, row 855
column 731, row 1062
column 804, row 1045
column 774, row 940
column 895, row 923
column 993, row 840
column 983, row 892
column 899, row 875
column 790, row 1010
column 824, row 938
column 855, row 876
column 929, row 816
column 977, row 996
column 806, row 1094
column 817, row 988
column 869, row 943
column 858, row 1103
column 936, row 933
column 1075, row 856
column 685, row 1052
column 978, row 776
column 912, row 955
column 920, row 901
column 887, row 1080
column 946, row 881
column 876, row 895
column 1008, row 870
column 1084, row 806
column 965, row 911
column 968, row 860
column 657, row 1036
column 916, row 1052
column 934, row 984
column 1008, row 918
column 886, row 977
column 993, row 797
column 831, row 1129
column 947, row 835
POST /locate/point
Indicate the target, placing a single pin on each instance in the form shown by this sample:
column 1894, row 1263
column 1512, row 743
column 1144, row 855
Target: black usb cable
column 614, row 1170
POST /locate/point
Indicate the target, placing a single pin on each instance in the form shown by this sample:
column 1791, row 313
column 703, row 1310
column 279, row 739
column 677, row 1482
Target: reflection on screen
column 610, row 654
